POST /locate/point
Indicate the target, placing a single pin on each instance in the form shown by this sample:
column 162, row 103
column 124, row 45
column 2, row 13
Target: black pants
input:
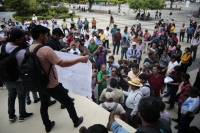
column 116, row 45
column 172, row 93
column 179, row 113
column 189, row 37
column 184, row 124
column 60, row 94
column 194, row 51
column 182, row 34
column 86, row 26
column 184, row 67
column 132, row 123
column 106, row 42
column 66, row 29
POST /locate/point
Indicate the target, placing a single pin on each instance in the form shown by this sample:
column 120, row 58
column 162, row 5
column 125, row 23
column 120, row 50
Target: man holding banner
column 54, row 89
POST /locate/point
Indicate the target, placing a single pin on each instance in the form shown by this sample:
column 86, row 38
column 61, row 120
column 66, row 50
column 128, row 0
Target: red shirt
column 175, row 39
column 69, row 39
column 156, row 83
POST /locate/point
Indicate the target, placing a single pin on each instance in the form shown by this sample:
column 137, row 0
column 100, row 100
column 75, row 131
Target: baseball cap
column 110, row 95
column 147, row 64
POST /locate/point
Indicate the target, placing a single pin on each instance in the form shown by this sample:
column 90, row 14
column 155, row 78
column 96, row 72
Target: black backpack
column 9, row 68
column 32, row 74
column 151, row 90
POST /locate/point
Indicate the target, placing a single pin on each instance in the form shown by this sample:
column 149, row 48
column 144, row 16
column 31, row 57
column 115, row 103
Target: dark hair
column 57, row 31
column 107, row 28
column 16, row 34
column 113, row 82
column 87, row 36
column 177, row 68
column 185, row 76
column 135, row 66
column 97, row 128
column 103, row 65
column 173, row 57
column 124, row 38
column 112, row 57
column 151, row 53
column 149, row 105
column 143, row 76
column 161, row 106
column 157, row 66
column 37, row 30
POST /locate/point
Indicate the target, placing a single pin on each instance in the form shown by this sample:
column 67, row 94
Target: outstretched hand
column 84, row 59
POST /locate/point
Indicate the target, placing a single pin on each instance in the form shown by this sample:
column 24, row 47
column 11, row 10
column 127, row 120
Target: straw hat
column 124, row 60
column 135, row 82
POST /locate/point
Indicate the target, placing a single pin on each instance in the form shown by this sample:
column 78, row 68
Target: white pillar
column 187, row 3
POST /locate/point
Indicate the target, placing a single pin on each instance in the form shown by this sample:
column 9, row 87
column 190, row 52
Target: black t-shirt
column 54, row 44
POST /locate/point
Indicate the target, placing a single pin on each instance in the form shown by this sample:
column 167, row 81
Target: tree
column 171, row 3
column 119, row 2
column 20, row 6
column 146, row 4
column 90, row 4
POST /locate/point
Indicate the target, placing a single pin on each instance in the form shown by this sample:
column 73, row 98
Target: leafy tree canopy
column 118, row 1
column 146, row 4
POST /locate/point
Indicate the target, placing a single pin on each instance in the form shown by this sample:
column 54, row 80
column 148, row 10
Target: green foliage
column 146, row 4
column 118, row 1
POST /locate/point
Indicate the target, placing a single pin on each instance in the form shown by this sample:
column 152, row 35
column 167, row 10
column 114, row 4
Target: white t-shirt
column 145, row 90
column 171, row 66
column 191, row 105
column 107, row 33
column 24, row 27
column 87, row 42
column 34, row 18
column 119, row 109
column 165, row 115
column 56, row 26
column 45, row 25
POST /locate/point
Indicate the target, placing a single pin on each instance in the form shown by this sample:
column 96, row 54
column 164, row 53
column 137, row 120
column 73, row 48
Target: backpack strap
column 104, row 106
column 115, row 107
column 15, row 51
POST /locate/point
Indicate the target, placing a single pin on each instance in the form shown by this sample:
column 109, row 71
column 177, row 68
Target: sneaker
column 28, row 103
column 27, row 116
column 37, row 100
column 48, row 129
column 80, row 120
column 12, row 118
column 52, row 102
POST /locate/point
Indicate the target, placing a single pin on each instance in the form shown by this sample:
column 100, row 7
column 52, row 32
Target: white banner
column 77, row 78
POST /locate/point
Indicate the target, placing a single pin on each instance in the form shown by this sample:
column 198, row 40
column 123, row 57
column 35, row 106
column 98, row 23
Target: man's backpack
column 151, row 90
column 110, row 109
column 32, row 74
column 9, row 68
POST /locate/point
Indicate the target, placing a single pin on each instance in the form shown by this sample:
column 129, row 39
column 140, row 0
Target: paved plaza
column 102, row 22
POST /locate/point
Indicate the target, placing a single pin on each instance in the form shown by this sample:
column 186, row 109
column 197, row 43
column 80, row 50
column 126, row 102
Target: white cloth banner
column 77, row 78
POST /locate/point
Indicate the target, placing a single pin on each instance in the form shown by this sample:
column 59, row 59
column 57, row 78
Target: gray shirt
column 164, row 61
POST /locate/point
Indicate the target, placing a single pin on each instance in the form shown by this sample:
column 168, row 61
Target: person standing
column 94, row 22
column 111, row 63
column 64, row 26
column 140, row 46
column 170, row 14
column 156, row 15
column 132, row 101
column 54, row 89
column 185, row 59
column 164, row 61
column 160, row 14
column 113, row 31
column 70, row 13
column 182, row 32
column 177, row 53
column 117, row 39
column 111, row 20
column 125, row 44
column 107, row 33
column 102, row 37
column 194, row 45
column 133, row 53
column 86, row 23
column 190, row 31
column 156, row 81
column 80, row 25
column 146, row 38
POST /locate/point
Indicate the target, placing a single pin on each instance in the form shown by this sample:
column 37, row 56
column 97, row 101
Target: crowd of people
column 130, row 87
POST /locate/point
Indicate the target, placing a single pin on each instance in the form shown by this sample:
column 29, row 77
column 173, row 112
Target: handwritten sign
column 76, row 78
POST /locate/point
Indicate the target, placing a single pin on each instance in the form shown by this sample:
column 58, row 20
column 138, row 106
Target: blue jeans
column 123, row 52
column 116, row 45
column 35, row 96
column 168, row 91
column 15, row 90
column 116, row 128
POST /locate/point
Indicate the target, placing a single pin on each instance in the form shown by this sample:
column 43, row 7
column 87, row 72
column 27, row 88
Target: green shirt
column 103, row 85
column 92, row 47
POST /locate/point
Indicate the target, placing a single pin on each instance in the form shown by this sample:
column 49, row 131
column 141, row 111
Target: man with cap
column 145, row 68
column 146, row 88
column 132, row 101
column 188, row 109
column 133, row 53
column 110, row 105
column 76, row 42
column 113, row 31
